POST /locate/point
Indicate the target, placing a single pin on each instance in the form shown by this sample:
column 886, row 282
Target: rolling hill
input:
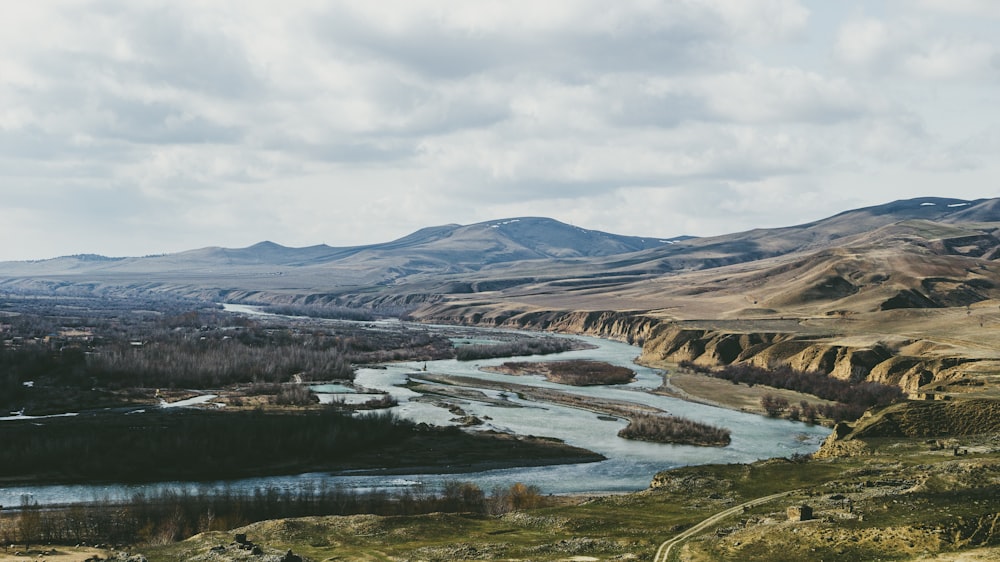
column 433, row 250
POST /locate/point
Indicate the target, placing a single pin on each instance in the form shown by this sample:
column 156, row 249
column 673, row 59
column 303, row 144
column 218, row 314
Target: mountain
column 926, row 252
column 874, row 258
column 438, row 249
column 840, row 229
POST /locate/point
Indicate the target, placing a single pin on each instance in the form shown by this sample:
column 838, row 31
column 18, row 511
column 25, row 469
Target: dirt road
column 663, row 553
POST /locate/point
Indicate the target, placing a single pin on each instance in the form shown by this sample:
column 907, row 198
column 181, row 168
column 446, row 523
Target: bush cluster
column 584, row 373
column 853, row 398
column 533, row 346
column 674, row 429
column 168, row 516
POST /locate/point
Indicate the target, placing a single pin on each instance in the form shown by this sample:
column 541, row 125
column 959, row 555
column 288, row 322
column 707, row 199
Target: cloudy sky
column 131, row 128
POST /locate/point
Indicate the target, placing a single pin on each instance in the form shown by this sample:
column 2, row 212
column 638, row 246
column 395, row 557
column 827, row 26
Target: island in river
column 577, row 372
column 646, row 423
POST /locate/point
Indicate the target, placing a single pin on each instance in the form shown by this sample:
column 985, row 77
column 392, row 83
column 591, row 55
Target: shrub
column 673, row 429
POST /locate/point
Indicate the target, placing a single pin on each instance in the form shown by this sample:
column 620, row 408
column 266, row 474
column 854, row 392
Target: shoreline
column 720, row 393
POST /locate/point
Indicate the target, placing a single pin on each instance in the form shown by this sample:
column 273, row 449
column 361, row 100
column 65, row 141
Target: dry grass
column 55, row 554
column 722, row 393
column 978, row 555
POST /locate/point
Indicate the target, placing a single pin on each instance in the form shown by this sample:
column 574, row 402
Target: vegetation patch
column 852, row 398
column 676, row 430
column 575, row 373
column 206, row 445
column 188, row 444
column 170, row 516
column 533, row 346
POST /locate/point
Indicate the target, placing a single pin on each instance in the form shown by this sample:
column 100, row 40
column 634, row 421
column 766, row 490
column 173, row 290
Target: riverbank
column 606, row 407
column 701, row 389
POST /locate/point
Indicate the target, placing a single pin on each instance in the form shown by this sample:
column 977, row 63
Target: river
column 630, row 465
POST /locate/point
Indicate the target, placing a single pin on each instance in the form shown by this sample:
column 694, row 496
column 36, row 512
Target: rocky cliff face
column 876, row 363
column 628, row 327
column 664, row 341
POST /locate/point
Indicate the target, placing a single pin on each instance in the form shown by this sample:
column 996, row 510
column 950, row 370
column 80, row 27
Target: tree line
column 189, row 445
column 171, row 515
column 852, row 398
column 533, row 346
column 212, row 363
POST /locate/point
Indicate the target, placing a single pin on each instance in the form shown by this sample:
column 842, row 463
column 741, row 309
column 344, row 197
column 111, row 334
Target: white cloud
column 947, row 59
column 917, row 47
column 979, row 8
column 865, row 43
column 775, row 95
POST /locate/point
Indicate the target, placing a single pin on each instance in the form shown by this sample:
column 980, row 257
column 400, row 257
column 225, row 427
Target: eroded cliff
column 921, row 368
column 877, row 362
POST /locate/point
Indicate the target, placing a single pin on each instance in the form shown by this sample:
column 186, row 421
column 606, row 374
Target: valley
column 902, row 296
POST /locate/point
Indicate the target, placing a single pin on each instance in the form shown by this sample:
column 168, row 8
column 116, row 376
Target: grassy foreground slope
column 903, row 499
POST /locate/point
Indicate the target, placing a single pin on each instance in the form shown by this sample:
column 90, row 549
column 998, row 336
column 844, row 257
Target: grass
column 599, row 528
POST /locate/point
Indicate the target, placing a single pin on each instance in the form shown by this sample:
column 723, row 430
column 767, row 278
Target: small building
column 800, row 513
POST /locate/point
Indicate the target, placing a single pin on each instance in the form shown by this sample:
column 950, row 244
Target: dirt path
column 663, row 553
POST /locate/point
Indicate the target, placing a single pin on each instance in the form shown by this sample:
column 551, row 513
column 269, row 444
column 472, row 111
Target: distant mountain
column 692, row 254
column 752, row 245
column 556, row 264
column 442, row 249
column 917, row 253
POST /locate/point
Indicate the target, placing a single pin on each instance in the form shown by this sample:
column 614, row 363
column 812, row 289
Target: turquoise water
column 332, row 388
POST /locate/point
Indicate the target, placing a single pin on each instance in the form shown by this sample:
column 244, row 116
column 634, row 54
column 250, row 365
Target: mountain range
column 435, row 250
column 846, row 256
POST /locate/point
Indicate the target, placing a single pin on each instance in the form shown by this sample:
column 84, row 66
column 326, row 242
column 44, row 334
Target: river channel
column 630, row 465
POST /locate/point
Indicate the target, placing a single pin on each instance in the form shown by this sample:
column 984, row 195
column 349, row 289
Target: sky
column 134, row 128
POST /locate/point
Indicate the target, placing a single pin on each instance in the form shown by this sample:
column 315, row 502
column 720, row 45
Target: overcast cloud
column 131, row 128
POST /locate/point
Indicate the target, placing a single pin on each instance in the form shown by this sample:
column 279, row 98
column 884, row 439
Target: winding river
column 630, row 465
